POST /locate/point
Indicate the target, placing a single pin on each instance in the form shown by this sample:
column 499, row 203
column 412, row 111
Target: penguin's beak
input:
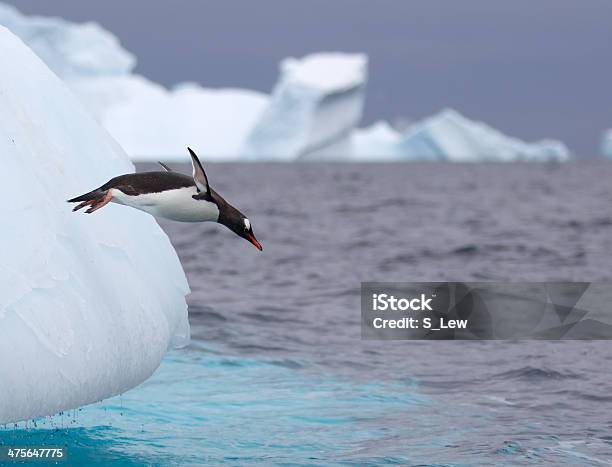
column 251, row 238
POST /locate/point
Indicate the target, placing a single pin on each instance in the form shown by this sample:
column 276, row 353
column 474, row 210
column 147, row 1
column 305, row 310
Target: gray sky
column 530, row 68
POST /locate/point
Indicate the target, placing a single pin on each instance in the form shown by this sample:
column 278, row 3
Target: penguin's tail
column 96, row 199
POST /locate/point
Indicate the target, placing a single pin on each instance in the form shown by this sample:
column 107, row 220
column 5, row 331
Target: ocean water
column 277, row 373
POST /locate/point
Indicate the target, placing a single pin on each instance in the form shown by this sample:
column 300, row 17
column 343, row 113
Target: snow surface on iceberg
column 449, row 136
column 314, row 107
column 606, row 144
column 89, row 304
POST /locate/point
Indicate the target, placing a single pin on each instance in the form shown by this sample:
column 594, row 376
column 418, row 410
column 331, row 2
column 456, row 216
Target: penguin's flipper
column 199, row 176
column 168, row 169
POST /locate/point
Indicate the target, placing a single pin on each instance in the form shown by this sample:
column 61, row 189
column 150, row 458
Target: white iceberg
column 449, row 136
column 314, row 107
column 606, row 144
column 312, row 113
column 88, row 304
column 378, row 142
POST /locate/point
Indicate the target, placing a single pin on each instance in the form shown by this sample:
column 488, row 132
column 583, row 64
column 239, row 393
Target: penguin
column 171, row 195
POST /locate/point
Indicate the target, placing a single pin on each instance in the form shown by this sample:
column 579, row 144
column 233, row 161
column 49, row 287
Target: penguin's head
column 229, row 216
column 238, row 223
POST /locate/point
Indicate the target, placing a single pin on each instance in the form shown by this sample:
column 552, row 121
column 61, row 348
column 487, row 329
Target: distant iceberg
column 378, row 142
column 449, row 136
column 315, row 106
column 606, row 144
column 313, row 112
column 71, row 50
column 149, row 121
column 86, row 310
column 153, row 123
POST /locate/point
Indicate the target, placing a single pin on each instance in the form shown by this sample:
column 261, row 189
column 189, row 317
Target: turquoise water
column 199, row 407
column 202, row 408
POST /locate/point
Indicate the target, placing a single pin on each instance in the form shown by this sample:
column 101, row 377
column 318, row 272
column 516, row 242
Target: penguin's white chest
column 177, row 205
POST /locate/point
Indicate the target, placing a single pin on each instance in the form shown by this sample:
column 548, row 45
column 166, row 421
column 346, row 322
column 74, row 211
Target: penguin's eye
column 247, row 225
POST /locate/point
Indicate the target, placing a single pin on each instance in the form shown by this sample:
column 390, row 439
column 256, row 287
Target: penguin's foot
column 82, row 205
column 97, row 203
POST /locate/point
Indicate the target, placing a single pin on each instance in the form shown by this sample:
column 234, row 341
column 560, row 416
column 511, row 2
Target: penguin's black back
column 149, row 182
